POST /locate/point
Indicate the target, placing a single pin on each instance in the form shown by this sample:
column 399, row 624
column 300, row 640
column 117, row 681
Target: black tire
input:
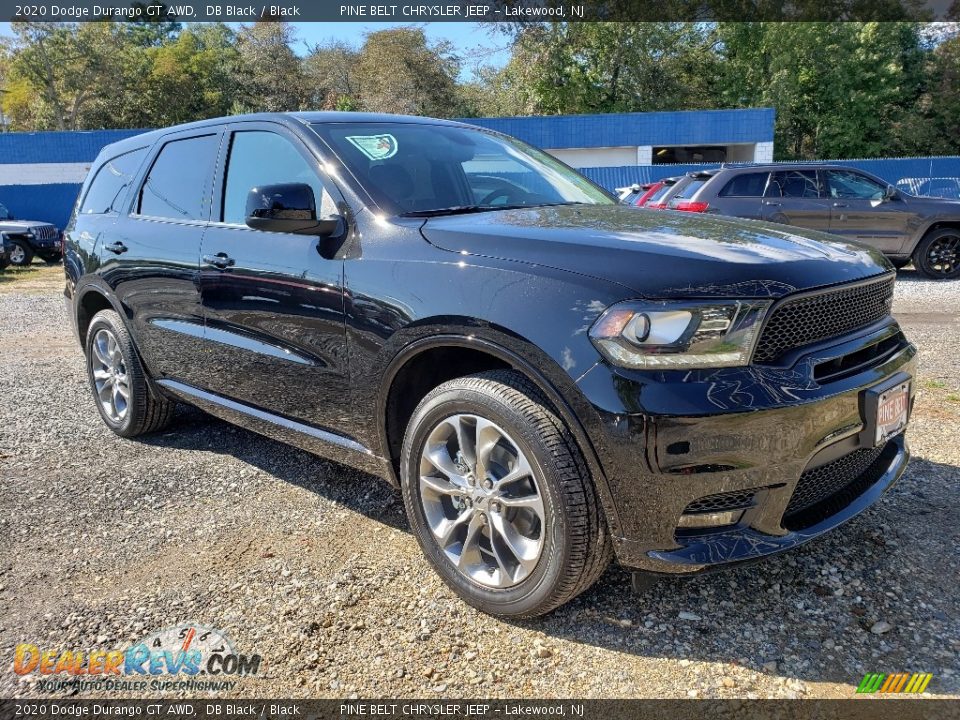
column 576, row 546
column 937, row 256
column 145, row 410
column 27, row 253
column 4, row 263
column 899, row 263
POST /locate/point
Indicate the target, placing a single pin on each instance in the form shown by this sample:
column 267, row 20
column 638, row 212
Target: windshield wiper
column 455, row 210
column 466, row 209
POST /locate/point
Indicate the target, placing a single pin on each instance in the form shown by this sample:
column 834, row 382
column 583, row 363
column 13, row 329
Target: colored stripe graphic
column 914, row 683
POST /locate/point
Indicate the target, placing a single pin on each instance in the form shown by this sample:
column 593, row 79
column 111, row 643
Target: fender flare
column 516, row 361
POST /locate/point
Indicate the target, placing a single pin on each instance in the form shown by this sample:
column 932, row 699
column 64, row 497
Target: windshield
column 421, row 169
column 4, row 213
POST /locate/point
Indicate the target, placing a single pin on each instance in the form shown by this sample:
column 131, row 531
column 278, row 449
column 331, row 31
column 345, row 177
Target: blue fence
column 40, row 173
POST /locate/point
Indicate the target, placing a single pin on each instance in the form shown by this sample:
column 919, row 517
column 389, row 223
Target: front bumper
column 667, row 440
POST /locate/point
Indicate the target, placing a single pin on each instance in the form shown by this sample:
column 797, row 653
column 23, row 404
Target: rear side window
column 659, row 194
column 746, row 185
column 178, row 184
column 111, row 182
column 687, row 191
column 794, row 184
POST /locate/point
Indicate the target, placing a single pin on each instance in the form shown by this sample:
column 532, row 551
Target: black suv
column 28, row 238
column 550, row 378
column 843, row 201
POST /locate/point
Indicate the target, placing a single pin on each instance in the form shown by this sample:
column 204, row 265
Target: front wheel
column 500, row 498
column 938, row 255
column 21, row 254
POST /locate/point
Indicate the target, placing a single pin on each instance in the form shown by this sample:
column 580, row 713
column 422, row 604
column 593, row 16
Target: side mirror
column 288, row 208
column 891, row 193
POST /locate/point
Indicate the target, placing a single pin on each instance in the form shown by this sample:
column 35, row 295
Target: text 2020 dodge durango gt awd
column 549, row 378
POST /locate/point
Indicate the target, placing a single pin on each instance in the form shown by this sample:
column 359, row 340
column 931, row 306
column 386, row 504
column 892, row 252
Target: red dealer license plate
column 892, row 407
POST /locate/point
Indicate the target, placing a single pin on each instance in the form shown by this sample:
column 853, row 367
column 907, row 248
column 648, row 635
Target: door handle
column 116, row 248
column 771, row 203
column 220, row 260
column 837, row 204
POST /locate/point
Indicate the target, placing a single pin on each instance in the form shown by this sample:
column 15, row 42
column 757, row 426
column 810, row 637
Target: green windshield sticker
column 375, row 147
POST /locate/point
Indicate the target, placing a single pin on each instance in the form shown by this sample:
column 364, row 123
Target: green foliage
column 839, row 89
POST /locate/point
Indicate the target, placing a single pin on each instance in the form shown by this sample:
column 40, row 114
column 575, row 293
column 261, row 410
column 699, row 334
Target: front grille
column 822, row 482
column 44, row 232
column 735, row 500
column 831, row 313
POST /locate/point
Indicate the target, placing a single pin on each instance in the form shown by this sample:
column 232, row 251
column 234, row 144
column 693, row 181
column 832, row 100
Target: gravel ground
column 311, row 565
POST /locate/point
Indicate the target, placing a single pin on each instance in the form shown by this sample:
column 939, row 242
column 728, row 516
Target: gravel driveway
column 311, row 565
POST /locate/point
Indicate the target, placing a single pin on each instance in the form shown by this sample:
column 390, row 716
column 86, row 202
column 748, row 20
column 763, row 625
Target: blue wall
column 695, row 127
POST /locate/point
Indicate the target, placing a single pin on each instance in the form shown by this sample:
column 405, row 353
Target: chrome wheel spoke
column 523, row 549
column 100, row 350
column 488, row 435
column 521, row 469
column 447, row 529
column 101, row 374
column 532, row 502
column 441, row 486
column 105, row 391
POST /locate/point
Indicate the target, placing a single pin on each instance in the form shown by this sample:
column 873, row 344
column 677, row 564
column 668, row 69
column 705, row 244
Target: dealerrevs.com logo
column 205, row 656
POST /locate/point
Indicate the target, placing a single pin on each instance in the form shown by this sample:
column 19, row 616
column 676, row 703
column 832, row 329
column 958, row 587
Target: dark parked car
column 842, row 201
column 27, row 238
column 550, row 381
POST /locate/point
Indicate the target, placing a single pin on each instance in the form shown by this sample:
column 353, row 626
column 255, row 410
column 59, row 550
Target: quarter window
column 110, row 183
column 259, row 158
column 746, row 185
column 178, row 184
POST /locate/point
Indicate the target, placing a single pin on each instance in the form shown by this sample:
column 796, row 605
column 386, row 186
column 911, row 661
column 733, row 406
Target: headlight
column 684, row 334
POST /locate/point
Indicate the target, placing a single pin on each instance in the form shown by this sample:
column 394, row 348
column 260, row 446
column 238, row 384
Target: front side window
column 110, row 183
column 178, row 184
column 746, row 185
column 259, row 158
column 847, row 184
column 425, row 169
column 794, row 184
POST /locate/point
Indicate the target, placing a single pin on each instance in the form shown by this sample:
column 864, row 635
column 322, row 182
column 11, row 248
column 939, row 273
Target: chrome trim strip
column 189, row 391
column 225, row 337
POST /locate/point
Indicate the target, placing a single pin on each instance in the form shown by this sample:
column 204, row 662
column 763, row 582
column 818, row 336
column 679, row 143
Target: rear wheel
column 20, row 253
column 500, row 498
column 938, row 255
column 126, row 401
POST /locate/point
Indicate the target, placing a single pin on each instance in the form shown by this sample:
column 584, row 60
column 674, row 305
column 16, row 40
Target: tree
column 272, row 74
column 332, row 81
column 398, row 71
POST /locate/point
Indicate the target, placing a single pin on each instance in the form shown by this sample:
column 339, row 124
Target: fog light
column 715, row 519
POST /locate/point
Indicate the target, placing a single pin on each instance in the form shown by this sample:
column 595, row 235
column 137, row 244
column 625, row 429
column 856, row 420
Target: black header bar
column 504, row 11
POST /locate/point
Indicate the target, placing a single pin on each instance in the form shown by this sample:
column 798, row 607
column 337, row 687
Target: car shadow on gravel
column 193, row 429
column 805, row 614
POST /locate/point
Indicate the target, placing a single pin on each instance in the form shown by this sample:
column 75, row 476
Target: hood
column 21, row 225
column 661, row 254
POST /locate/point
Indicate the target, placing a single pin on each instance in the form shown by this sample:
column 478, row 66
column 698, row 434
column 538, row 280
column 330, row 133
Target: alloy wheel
column 110, row 376
column 17, row 255
column 481, row 500
column 943, row 255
